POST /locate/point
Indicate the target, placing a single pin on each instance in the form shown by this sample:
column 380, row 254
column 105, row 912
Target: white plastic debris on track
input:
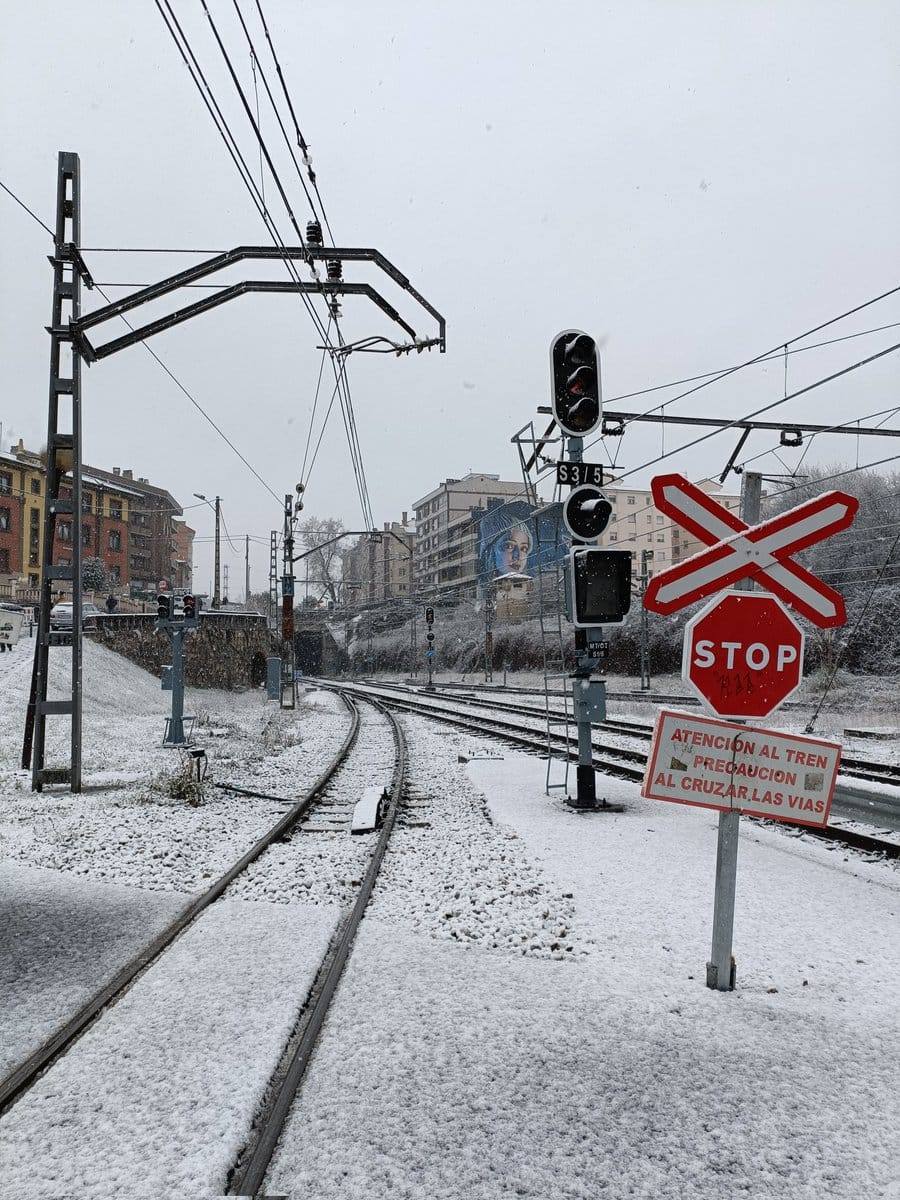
column 471, row 1072
column 321, row 861
column 157, row 1098
column 125, row 827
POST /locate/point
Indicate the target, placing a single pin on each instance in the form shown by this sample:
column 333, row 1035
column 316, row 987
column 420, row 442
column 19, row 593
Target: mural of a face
column 512, row 549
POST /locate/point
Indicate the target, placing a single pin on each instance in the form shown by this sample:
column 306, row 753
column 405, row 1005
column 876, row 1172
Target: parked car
column 61, row 615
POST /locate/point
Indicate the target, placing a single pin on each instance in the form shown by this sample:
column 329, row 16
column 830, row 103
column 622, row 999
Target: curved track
column 23, row 1076
column 611, row 760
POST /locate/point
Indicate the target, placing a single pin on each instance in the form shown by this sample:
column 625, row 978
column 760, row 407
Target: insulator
column 314, row 233
column 334, row 268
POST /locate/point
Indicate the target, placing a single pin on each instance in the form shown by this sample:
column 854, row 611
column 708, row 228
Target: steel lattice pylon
column 63, row 458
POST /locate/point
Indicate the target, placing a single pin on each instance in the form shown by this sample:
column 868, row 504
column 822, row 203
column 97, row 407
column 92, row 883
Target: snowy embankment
column 473, row 1072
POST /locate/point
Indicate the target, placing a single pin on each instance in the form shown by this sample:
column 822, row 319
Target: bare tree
column 318, row 534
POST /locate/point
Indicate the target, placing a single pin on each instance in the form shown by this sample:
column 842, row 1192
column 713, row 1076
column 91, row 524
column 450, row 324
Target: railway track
column 851, row 766
column 249, row 1170
column 617, row 761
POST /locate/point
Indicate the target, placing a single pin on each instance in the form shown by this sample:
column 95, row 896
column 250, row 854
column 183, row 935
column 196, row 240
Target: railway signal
column 575, row 368
column 429, row 651
column 586, row 513
column 190, row 607
column 600, row 586
column 163, row 607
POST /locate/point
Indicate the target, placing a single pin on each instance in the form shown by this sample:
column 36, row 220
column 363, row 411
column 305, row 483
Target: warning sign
column 761, row 772
column 10, row 627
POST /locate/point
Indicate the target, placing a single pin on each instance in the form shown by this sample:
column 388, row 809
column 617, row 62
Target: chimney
column 128, row 474
column 141, row 479
column 117, row 470
column 405, row 520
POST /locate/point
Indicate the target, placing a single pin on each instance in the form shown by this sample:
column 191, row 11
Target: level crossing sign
column 736, row 551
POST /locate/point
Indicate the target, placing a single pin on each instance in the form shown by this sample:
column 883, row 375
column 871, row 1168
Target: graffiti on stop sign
column 743, row 655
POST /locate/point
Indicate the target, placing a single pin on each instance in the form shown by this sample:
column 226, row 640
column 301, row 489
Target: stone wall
column 228, row 650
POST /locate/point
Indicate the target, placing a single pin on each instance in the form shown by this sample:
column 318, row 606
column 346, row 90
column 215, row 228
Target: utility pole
column 217, row 599
column 225, row 593
column 287, row 606
column 720, row 970
column 273, row 580
column 646, row 557
column 247, row 569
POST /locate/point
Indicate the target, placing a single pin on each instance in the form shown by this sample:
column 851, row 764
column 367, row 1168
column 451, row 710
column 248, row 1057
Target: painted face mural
column 512, row 550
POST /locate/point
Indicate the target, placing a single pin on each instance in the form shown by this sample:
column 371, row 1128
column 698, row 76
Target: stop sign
column 743, row 654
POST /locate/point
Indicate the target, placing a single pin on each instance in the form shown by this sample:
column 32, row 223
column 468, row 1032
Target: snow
column 157, row 1097
column 485, row 1072
column 63, row 938
column 524, row 1013
column 125, row 827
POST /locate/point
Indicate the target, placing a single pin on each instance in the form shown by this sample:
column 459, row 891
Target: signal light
column 575, row 370
column 600, row 586
column 429, row 616
column 163, row 607
column 189, row 608
column 586, row 512
column 430, row 637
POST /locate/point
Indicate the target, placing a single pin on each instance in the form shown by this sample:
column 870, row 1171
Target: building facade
column 127, row 523
column 184, row 555
column 447, row 524
column 378, row 569
column 638, row 525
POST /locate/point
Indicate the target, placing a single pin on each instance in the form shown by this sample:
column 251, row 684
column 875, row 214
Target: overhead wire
column 774, row 350
column 174, row 379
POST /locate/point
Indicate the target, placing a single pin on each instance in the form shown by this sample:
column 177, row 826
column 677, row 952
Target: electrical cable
column 22, row 204
column 661, row 387
column 773, row 351
column 301, row 141
column 763, row 409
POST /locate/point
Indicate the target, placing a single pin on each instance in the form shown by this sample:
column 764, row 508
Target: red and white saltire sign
column 737, row 550
column 761, row 772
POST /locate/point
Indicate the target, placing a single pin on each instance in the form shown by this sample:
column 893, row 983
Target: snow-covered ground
column 524, row 1013
column 489, row 1070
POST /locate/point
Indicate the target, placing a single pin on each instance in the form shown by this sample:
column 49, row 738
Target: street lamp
column 216, row 602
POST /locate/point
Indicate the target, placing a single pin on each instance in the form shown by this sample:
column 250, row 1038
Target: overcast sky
column 692, row 182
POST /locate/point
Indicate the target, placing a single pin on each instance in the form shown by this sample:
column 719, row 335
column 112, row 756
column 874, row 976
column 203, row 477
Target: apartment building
column 105, row 514
column 128, row 523
column 447, row 530
column 636, row 524
column 379, row 568
column 184, row 554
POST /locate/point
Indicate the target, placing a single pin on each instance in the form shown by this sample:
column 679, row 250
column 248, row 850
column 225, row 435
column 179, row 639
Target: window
column 115, row 540
column 4, row 561
column 64, row 531
column 35, row 487
column 659, row 520
column 632, row 499
column 115, row 510
column 4, row 520
column 33, row 580
column 613, row 537
column 6, row 482
column 86, row 535
column 661, row 537
column 87, row 502
column 649, row 519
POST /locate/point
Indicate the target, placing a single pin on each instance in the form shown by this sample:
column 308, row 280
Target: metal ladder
column 63, row 458
column 551, row 607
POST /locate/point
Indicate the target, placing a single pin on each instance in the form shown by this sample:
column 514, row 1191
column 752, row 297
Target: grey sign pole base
column 589, row 697
column 721, row 970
